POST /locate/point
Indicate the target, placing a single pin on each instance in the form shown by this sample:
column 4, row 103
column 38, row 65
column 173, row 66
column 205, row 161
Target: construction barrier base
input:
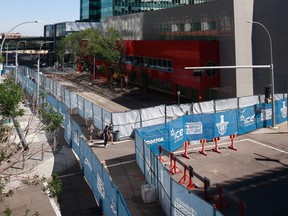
column 203, row 152
column 216, row 150
column 186, row 155
column 232, row 147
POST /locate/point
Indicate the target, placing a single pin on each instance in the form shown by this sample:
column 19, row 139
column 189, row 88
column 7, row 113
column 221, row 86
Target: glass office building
column 90, row 10
column 100, row 10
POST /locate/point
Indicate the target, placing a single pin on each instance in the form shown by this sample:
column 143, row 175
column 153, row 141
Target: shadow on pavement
column 76, row 197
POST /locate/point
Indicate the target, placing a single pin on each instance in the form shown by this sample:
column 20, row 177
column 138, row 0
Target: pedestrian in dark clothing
column 105, row 135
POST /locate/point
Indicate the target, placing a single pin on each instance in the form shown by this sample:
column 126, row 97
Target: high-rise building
column 90, row 10
column 100, row 10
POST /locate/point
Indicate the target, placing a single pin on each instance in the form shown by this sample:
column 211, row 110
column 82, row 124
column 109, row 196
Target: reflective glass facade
column 100, row 10
column 90, row 10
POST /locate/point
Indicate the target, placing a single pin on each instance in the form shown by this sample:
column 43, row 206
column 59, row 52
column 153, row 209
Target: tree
column 10, row 96
column 91, row 44
column 2, row 59
column 12, row 154
column 52, row 119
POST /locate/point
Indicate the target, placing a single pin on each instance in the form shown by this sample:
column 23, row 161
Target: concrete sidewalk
column 76, row 197
column 25, row 197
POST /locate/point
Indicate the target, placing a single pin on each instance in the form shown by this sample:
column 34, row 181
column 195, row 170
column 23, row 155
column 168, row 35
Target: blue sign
column 264, row 117
column 247, row 119
column 281, row 110
column 225, row 123
column 199, row 126
column 155, row 136
column 176, row 133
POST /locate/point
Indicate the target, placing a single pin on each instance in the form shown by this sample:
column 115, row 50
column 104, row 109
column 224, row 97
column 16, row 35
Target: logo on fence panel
column 177, row 135
column 194, row 128
column 222, row 125
column 86, row 161
column 76, row 138
column 153, row 141
column 100, row 186
column 112, row 207
column 182, row 208
column 266, row 114
column 283, row 110
column 249, row 120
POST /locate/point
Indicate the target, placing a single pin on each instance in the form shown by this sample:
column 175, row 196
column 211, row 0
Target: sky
column 14, row 12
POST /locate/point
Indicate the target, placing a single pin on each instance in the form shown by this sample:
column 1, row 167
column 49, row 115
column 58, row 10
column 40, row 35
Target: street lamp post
column 3, row 40
column 271, row 70
column 178, row 97
column 16, row 60
column 38, row 70
column 12, row 30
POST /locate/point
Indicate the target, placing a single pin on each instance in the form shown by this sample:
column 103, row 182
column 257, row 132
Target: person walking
column 110, row 133
column 91, row 130
column 105, row 135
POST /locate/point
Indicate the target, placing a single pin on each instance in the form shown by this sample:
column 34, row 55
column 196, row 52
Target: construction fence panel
column 86, row 160
column 247, row 119
column 66, row 99
column 248, row 101
column 139, row 151
column 68, row 129
column 97, row 116
column 106, row 118
column 46, row 84
column 81, row 108
column 50, row 86
column 264, row 115
column 122, row 208
column 225, row 123
column 155, row 136
column 97, row 184
column 76, row 133
column 176, row 111
column 200, row 126
column 226, row 104
column 164, row 185
column 183, row 202
column 281, row 110
column 153, row 116
column 147, row 166
column 203, row 107
column 73, row 101
column 58, row 91
column 62, row 108
column 126, row 122
column 154, row 169
column 87, row 109
column 111, row 191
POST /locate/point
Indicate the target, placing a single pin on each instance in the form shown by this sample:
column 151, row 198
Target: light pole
column 16, row 60
column 271, row 70
column 12, row 30
column 3, row 40
column 178, row 97
column 38, row 70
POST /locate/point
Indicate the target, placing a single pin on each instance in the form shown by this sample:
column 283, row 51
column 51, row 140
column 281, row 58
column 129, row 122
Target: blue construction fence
column 174, row 198
column 195, row 127
column 105, row 191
